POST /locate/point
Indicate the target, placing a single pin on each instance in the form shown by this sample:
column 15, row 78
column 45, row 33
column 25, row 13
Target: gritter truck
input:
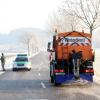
column 71, row 57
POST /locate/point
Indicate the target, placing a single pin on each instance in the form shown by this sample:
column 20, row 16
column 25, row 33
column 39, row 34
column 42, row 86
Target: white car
column 22, row 55
column 21, row 63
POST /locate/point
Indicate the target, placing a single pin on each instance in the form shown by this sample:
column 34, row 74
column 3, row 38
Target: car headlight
column 14, row 65
column 28, row 64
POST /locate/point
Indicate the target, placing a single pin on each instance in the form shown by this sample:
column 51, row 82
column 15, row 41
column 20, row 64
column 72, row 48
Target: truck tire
column 50, row 73
column 14, row 69
column 55, row 83
column 52, row 79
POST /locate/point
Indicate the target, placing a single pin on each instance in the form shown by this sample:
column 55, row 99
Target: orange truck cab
column 72, row 57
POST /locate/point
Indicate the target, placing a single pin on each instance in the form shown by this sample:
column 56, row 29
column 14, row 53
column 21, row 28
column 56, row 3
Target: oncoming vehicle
column 21, row 63
column 22, row 55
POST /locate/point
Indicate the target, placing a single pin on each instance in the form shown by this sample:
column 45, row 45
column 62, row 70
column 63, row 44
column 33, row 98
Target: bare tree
column 62, row 22
column 29, row 39
column 35, row 43
column 88, row 11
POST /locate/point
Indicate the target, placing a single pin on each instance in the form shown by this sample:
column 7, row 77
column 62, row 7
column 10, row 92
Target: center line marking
column 1, row 73
column 37, row 99
column 43, row 85
column 39, row 74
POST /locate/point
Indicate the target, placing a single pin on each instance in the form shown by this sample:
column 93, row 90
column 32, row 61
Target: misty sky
column 15, row 14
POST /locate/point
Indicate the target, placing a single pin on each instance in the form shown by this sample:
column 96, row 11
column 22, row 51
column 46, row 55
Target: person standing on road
column 3, row 61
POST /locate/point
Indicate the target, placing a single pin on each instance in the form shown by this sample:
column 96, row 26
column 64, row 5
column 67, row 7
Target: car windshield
column 21, row 59
column 22, row 55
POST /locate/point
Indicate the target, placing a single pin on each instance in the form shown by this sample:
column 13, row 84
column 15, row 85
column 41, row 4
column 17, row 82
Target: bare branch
column 63, row 22
column 88, row 11
column 28, row 39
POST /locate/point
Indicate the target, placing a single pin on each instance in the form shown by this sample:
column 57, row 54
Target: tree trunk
column 91, row 29
column 28, row 49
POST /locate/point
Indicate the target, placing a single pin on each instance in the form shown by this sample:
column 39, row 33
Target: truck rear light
column 58, row 70
column 89, row 71
column 92, row 71
column 61, row 70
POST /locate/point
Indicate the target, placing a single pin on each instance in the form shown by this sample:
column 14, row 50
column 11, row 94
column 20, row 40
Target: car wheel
column 14, row 69
column 29, row 69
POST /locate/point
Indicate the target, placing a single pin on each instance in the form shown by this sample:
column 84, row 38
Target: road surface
column 35, row 85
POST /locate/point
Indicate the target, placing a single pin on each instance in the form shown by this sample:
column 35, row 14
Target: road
column 35, row 85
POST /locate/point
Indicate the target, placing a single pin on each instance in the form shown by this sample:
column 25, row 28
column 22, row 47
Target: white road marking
column 39, row 74
column 37, row 99
column 43, row 85
column 1, row 73
column 39, row 68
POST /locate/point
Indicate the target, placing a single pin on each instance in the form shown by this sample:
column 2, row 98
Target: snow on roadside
column 34, row 54
column 8, row 64
column 9, row 60
column 97, row 66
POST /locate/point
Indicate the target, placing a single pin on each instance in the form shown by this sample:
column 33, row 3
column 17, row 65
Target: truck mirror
column 48, row 48
column 93, row 56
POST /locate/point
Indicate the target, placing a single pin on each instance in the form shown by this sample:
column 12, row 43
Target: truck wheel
column 55, row 83
column 52, row 80
column 50, row 74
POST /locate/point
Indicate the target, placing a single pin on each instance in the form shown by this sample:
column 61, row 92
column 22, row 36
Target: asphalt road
column 35, row 85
